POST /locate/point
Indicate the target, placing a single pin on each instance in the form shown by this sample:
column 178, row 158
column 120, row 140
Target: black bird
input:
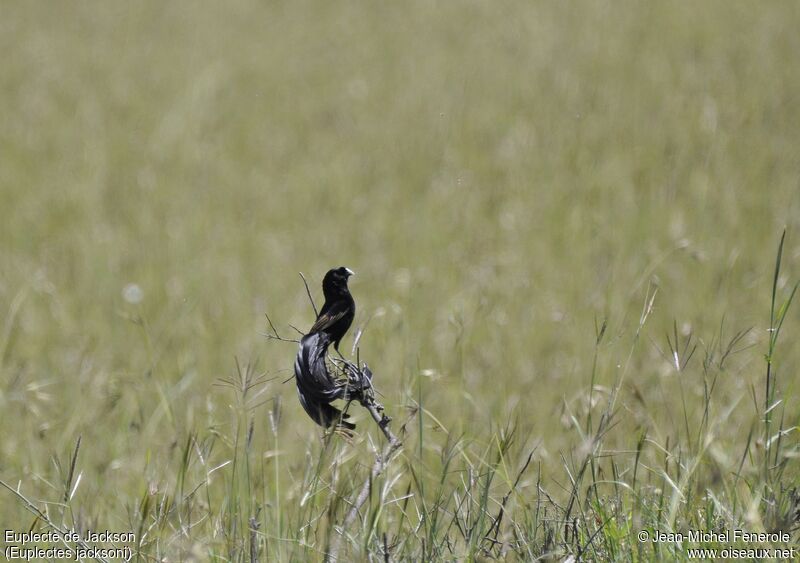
column 315, row 386
column 339, row 309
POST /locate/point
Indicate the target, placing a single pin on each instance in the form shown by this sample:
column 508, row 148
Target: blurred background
column 502, row 178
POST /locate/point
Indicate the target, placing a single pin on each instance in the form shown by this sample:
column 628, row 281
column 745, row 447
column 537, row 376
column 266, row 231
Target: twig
column 377, row 468
column 308, row 291
column 383, row 423
column 33, row 509
column 297, row 330
column 381, row 460
column 275, row 335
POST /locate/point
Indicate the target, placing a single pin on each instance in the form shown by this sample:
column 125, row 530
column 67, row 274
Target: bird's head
column 336, row 280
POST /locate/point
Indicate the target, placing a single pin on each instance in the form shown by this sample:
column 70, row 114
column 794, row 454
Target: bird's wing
column 330, row 317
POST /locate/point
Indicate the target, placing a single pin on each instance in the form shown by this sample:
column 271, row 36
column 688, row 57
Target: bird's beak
column 349, row 272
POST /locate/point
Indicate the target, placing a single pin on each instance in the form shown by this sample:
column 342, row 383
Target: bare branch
column 367, row 400
column 308, row 292
column 275, row 335
column 297, row 330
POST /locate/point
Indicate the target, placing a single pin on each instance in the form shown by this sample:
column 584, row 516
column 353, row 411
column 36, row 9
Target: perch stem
column 381, row 460
column 308, row 292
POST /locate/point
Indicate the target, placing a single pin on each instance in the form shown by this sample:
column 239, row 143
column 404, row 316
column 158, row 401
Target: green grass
column 564, row 219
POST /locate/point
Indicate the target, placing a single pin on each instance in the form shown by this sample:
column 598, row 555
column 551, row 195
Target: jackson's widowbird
column 316, row 387
column 339, row 309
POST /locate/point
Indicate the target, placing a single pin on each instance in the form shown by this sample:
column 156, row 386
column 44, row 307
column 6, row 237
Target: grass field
column 564, row 220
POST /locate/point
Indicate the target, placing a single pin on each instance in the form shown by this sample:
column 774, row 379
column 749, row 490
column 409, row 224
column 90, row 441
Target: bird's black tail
column 316, row 387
